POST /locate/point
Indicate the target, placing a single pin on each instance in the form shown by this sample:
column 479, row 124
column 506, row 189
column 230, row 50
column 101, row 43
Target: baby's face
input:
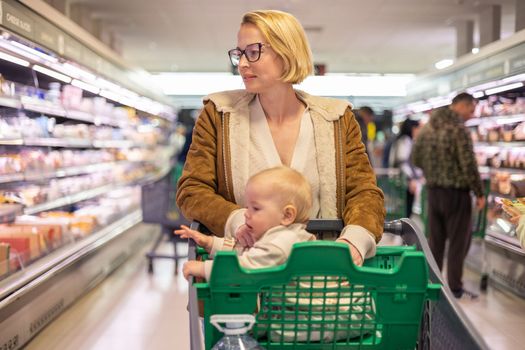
column 263, row 209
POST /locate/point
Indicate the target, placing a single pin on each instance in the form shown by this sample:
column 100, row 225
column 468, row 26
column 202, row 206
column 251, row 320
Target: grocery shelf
column 42, row 107
column 62, row 172
column 10, row 102
column 490, row 169
column 70, row 143
column 71, row 199
column 504, row 241
column 497, row 119
column 21, row 278
column 500, row 144
column 47, row 289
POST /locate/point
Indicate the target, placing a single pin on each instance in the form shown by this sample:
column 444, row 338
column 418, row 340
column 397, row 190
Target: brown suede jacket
column 348, row 190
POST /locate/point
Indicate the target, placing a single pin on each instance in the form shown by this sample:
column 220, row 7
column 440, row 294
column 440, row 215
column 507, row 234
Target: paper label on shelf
column 517, row 64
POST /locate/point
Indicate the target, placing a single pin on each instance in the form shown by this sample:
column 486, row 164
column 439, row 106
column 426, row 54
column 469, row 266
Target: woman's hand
column 244, row 236
column 193, row 268
column 514, row 213
column 201, row 239
column 356, row 256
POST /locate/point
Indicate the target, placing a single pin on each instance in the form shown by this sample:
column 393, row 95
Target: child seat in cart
column 320, row 300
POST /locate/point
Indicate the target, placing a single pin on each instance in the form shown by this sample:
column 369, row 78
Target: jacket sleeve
column 197, row 188
column 467, row 161
column 364, row 201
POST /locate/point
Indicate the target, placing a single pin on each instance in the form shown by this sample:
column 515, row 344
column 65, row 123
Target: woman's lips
column 248, row 77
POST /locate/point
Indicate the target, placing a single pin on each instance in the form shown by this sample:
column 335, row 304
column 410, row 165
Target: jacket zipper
column 224, row 157
column 341, row 170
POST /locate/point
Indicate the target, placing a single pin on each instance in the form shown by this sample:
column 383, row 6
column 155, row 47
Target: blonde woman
column 269, row 123
column 516, row 212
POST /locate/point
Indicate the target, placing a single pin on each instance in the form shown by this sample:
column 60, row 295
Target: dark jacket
column 443, row 150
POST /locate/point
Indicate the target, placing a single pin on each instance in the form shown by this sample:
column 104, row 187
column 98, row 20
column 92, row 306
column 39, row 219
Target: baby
column 278, row 203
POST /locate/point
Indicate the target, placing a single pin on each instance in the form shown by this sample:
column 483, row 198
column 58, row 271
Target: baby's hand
column 244, row 236
column 199, row 238
column 193, row 268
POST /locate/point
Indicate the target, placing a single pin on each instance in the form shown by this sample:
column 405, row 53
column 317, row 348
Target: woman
column 268, row 124
column 517, row 217
column 399, row 158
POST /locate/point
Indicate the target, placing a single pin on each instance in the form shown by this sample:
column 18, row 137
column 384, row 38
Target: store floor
column 133, row 310
column 130, row 310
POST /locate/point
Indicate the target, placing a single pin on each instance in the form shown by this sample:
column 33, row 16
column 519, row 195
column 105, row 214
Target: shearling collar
column 232, row 101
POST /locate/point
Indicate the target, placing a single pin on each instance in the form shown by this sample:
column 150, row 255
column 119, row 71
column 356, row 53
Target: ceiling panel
column 405, row 36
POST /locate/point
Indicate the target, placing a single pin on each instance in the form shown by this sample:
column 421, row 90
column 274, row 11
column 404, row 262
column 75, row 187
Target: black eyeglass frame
column 243, row 52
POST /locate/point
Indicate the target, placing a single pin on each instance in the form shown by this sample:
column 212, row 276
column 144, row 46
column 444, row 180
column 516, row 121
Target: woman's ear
column 289, row 215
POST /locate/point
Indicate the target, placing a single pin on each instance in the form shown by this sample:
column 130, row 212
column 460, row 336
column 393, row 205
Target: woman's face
column 262, row 75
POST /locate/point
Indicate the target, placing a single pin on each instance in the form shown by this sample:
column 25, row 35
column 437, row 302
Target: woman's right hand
column 244, row 236
column 201, row 239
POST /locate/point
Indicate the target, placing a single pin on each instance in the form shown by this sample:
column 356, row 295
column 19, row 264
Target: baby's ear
column 289, row 215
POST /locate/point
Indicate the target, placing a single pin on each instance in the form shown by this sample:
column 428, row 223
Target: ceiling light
column 33, row 51
column 52, row 73
column 85, row 86
column 13, row 59
column 444, row 63
column 503, row 88
column 475, row 50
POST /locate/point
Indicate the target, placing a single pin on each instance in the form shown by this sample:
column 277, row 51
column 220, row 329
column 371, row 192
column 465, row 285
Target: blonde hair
column 290, row 187
column 287, row 38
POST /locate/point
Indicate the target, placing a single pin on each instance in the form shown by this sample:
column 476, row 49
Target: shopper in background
column 517, row 217
column 268, row 124
column 443, row 150
column 365, row 118
column 400, row 158
column 278, row 204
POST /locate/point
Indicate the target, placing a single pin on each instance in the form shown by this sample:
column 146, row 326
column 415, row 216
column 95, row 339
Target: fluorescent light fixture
column 503, row 88
column 475, row 50
column 200, row 84
column 79, row 72
column 444, row 63
column 13, row 59
column 52, row 73
column 478, row 94
column 33, row 51
column 11, row 48
column 85, row 86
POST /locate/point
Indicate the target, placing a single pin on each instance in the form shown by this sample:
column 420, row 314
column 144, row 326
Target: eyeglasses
column 252, row 53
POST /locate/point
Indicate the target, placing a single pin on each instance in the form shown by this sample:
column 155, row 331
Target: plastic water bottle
column 235, row 331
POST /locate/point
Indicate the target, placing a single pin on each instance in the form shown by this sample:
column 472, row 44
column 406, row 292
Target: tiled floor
column 498, row 315
column 132, row 310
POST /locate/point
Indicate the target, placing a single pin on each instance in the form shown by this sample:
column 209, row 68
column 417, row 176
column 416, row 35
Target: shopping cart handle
column 395, row 227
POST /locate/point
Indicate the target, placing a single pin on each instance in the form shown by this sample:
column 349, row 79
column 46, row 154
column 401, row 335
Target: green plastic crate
column 320, row 300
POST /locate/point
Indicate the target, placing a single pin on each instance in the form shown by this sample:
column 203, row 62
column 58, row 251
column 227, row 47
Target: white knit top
column 263, row 153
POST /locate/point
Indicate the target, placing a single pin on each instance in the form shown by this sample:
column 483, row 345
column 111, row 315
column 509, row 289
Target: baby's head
column 277, row 196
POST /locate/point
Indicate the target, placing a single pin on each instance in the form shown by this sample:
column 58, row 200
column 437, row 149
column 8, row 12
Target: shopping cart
column 396, row 301
column 394, row 186
column 159, row 207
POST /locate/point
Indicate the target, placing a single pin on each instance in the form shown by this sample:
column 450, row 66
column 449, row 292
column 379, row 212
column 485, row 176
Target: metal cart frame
column 443, row 324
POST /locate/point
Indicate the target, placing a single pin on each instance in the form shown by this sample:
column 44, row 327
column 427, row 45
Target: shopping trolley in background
column 159, row 207
column 397, row 300
column 394, row 186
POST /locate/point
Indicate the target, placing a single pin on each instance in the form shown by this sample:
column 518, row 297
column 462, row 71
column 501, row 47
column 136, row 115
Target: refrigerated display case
column 496, row 77
column 79, row 135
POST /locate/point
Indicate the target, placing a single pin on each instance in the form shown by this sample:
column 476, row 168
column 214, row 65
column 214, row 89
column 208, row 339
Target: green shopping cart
column 394, row 186
column 320, row 300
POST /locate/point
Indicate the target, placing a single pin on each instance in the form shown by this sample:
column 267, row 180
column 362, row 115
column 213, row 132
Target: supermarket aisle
column 498, row 315
column 130, row 310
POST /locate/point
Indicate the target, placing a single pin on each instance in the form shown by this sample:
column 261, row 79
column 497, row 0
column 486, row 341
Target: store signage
column 47, row 35
column 517, row 64
column 13, row 18
column 72, row 49
column 487, row 74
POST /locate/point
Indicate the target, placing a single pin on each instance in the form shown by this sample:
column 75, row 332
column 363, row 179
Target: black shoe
column 460, row 292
